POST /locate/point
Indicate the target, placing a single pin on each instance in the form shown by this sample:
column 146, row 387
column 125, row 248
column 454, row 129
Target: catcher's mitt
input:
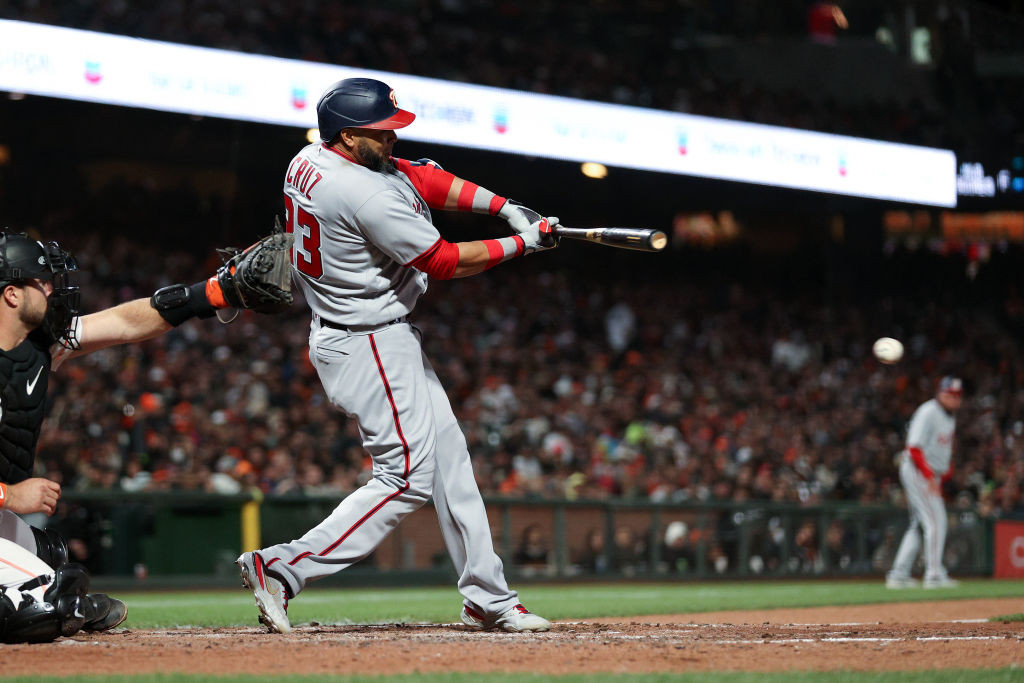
column 259, row 278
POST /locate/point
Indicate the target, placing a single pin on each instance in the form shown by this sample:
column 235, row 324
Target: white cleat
column 271, row 596
column 516, row 619
column 940, row 582
column 900, row 582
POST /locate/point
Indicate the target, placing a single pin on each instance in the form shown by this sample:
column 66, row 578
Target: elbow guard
column 178, row 303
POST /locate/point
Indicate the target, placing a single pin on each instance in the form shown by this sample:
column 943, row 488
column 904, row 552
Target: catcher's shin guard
column 66, row 594
column 31, row 622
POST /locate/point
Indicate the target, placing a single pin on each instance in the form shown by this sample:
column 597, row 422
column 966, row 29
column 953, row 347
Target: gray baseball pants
column 383, row 379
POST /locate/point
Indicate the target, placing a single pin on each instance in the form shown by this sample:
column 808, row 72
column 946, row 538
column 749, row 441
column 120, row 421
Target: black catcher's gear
column 31, row 622
column 66, row 594
column 22, row 259
column 51, row 547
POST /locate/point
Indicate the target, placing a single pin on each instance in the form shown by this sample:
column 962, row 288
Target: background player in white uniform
column 364, row 247
column 924, row 465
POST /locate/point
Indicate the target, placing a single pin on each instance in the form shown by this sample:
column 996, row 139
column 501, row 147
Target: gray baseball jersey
column 931, row 429
column 356, row 232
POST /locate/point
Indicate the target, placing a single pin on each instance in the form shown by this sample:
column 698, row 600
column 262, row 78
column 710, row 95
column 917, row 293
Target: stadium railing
column 169, row 537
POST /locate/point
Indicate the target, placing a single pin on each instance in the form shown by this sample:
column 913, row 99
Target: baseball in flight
column 888, row 350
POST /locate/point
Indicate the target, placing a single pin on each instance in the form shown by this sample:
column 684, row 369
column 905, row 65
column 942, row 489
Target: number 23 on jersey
column 306, row 248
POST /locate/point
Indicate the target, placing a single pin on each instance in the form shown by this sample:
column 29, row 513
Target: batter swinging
column 364, row 248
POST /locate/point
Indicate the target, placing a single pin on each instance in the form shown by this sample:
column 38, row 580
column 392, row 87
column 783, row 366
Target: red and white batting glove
column 519, row 217
column 539, row 236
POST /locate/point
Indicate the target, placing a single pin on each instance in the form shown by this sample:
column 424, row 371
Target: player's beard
column 371, row 159
column 32, row 316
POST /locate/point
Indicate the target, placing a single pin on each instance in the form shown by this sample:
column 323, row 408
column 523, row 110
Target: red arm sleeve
column 439, row 261
column 917, row 455
column 442, row 190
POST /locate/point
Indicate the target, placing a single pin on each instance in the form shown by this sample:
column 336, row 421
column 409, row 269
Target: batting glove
column 518, row 216
column 540, row 236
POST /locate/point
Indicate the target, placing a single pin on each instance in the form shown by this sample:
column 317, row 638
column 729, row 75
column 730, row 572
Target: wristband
column 178, row 303
column 3, row 495
column 503, row 249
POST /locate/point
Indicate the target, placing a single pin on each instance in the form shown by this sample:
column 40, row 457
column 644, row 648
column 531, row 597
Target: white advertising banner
column 82, row 65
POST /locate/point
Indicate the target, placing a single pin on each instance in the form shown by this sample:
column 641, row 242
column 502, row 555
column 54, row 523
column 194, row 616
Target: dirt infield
column 932, row 635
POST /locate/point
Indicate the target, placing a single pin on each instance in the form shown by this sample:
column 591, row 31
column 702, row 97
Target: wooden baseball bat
column 639, row 239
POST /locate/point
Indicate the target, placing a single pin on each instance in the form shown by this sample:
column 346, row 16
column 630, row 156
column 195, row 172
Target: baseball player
column 39, row 329
column 364, row 249
column 924, row 465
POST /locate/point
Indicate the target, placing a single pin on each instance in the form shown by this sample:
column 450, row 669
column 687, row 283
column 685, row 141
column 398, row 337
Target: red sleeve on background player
column 917, row 455
column 948, row 475
column 442, row 190
column 439, row 261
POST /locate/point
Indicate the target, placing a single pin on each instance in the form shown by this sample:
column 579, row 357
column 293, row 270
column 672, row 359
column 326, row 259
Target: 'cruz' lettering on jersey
column 303, row 178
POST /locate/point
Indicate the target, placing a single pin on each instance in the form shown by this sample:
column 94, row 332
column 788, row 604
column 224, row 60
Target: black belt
column 324, row 322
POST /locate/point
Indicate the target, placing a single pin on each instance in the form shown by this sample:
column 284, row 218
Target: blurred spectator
column 837, row 548
column 885, row 552
column 533, row 553
column 629, row 552
column 824, row 19
column 592, row 557
column 806, row 557
column 677, row 553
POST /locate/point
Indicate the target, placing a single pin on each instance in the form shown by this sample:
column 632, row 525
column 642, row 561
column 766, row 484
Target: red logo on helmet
column 394, row 100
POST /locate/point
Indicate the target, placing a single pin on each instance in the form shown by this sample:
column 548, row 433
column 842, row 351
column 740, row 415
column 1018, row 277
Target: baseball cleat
column 473, row 619
column 271, row 596
column 516, row 619
column 898, row 582
column 104, row 612
column 940, row 582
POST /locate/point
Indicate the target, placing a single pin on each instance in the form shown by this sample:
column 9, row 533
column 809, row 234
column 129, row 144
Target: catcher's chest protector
column 24, row 375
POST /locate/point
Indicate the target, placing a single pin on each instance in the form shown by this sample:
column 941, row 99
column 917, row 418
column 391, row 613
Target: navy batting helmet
column 952, row 385
column 359, row 103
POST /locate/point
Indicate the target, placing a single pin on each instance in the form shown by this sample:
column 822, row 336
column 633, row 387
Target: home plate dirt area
column 922, row 635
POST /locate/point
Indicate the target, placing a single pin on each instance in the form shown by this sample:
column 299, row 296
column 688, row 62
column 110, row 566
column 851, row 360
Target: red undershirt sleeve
column 917, row 455
column 442, row 190
column 439, row 261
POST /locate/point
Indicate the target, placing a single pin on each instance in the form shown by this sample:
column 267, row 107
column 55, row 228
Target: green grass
column 579, row 601
column 1019, row 616
column 944, row 676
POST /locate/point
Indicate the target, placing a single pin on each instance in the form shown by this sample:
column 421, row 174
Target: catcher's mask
column 22, row 259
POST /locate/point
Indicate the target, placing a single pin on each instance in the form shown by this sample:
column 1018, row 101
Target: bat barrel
column 639, row 239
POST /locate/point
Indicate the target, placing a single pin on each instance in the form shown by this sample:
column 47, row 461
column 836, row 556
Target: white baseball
column 888, row 350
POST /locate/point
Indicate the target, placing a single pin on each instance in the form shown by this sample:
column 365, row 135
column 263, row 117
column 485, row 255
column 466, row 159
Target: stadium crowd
column 729, row 389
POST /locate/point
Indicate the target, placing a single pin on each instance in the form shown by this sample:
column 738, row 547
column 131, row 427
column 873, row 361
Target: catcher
column 40, row 328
